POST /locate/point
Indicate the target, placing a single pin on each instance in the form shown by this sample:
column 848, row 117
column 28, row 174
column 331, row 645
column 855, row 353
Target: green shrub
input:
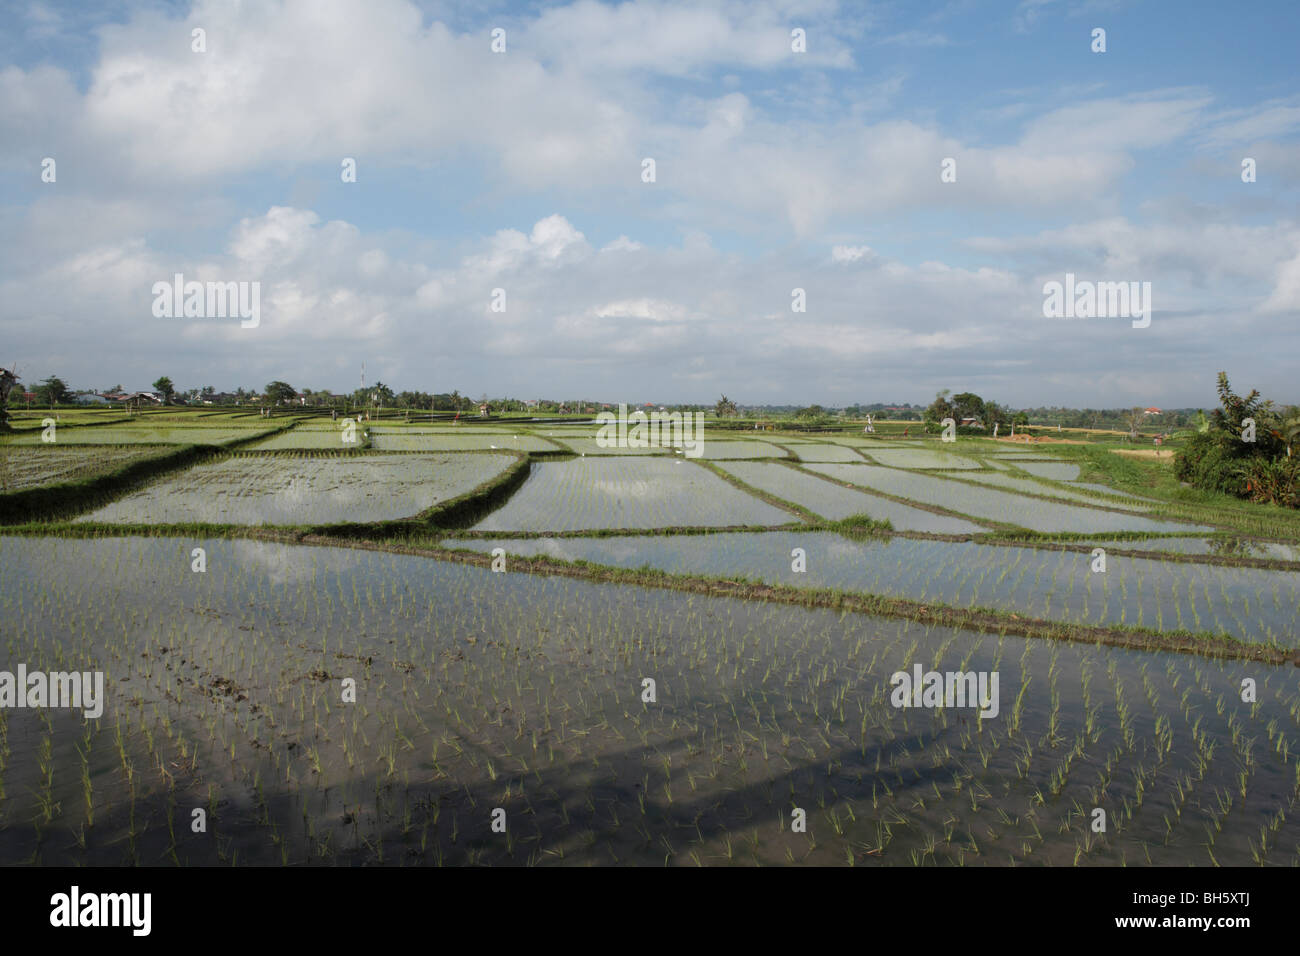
column 1217, row 459
column 1275, row 481
column 1206, row 463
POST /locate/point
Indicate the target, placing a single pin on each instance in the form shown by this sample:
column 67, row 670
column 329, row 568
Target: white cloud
column 622, row 244
column 545, row 116
column 680, row 39
column 686, row 317
column 850, row 253
column 169, row 160
column 1244, row 128
column 1286, row 291
column 279, row 236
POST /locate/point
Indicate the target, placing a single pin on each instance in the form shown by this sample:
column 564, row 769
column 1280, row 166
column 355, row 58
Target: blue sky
column 775, row 170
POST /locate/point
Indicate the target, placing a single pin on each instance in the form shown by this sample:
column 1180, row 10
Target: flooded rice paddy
column 918, row 458
column 392, row 440
column 130, row 435
column 477, row 691
column 281, row 489
column 1250, row 604
column 835, row 502
column 1031, row 487
column 632, row 491
column 995, row 505
column 323, row 704
column 47, row 464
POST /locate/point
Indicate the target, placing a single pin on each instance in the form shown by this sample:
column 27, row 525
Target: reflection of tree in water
column 1228, row 547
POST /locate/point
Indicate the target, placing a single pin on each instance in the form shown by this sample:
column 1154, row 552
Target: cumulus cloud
column 697, row 317
column 679, row 39
column 521, row 172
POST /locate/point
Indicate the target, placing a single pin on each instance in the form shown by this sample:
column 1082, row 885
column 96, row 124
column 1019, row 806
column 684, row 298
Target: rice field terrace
column 1058, row 471
column 627, row 492
column 512, row 644
column 478, row 691
column 917, row 458
column 287, row 490
column 1249, row 603
column 814, row 452
column 992, row 505
column 384, row 439
column 742, row 449
column 1100, row 493
column 47, row 464
column 313, row 438
column 826, row 499
column 590, row 445
column 138, row 434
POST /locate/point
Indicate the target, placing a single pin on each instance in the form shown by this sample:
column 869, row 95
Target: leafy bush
column 1275, row 481
column 1205, row 463
column 1218, row 459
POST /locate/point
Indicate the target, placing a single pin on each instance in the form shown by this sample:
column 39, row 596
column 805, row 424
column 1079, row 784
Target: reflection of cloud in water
column 556, row 549
column 283, row 491
column 630, row 488
column 844, row 549
column 280, row 563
